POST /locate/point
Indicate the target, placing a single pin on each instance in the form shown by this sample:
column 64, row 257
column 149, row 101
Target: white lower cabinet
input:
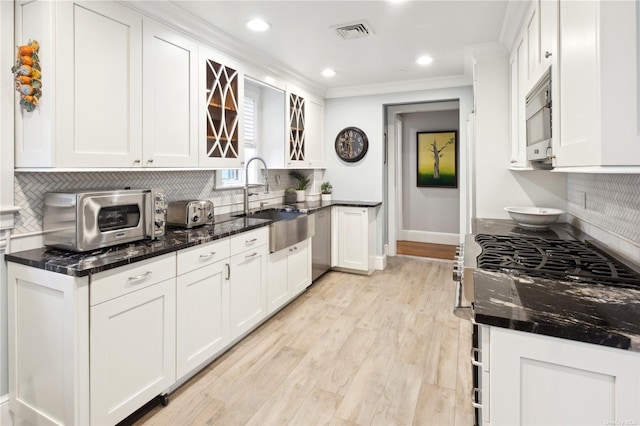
column 93, row 350
column 541, row 380
column 353, row 238
column 202, row 316
column 132, row 337
column 247, row 289
column 289, row 274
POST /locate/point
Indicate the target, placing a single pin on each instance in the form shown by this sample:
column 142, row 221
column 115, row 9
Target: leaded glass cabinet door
column 222, row 144
column 296, row 154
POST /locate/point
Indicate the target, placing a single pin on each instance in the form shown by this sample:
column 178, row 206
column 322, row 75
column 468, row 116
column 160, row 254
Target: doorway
column 422, row 214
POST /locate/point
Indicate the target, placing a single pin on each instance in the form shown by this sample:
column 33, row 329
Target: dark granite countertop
column 591, row 313
column 311, row 206
column 586, row 312
column 82, row 264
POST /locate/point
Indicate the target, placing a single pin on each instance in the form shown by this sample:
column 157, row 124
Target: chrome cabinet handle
column 207, row 255
column 254, row 254
column 228, row 271
column 247, row 242
column 140, row 277
column 473, row 358
column 474, row 400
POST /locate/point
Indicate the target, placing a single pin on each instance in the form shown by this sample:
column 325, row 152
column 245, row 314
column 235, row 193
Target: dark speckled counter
column 82, row 264
column 591, row 313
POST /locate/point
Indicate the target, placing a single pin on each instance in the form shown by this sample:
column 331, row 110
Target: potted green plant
column 301, row 184
column 290, row 196
column 326, row 189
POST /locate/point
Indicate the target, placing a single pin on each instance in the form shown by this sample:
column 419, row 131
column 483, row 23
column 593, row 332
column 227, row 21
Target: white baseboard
column 429, row 237
column 380, row 262
column 5, row 416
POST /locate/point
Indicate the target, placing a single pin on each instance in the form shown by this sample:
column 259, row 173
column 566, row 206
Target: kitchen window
column 229, row 178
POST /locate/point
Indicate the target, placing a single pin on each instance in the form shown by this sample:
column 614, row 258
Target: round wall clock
column 351, row 144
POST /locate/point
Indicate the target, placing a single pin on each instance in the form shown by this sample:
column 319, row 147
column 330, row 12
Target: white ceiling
column 302, row 36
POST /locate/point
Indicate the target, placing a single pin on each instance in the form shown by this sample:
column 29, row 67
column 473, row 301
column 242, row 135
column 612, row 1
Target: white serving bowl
column 534, row 217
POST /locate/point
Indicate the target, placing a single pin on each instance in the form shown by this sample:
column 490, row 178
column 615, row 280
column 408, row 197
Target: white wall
column 365, row 180
column 432, row 210
column 496, row 186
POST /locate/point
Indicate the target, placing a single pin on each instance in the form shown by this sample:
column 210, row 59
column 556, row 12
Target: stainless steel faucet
column 246, row 182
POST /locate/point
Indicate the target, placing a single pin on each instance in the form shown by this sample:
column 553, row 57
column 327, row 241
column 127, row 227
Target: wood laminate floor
column 383, row 349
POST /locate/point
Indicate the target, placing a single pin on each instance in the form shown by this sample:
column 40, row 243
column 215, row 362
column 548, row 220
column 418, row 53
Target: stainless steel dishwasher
column 321, row 244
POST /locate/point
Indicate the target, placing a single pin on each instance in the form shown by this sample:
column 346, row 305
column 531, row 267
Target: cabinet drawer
column 202, row 255
column 249, row 240
column 119, row 281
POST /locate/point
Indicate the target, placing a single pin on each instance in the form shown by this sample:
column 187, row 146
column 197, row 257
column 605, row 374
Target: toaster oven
column 88, row 220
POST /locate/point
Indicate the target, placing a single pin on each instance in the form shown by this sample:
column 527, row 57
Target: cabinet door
column 296, row 138
column 517, row 76
column 315, row 134
column 576, row 118
column 351, row 236
column 170, row 136
column 98, row 85
column 201, row 316
column 132, row 351
column 222, row 94
column 545, row 380
column 299, row 267
column 277, row 281
column 247, row 290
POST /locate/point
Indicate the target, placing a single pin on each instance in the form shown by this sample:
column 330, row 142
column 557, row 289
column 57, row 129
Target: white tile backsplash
column 612, row 212
column 179, row 185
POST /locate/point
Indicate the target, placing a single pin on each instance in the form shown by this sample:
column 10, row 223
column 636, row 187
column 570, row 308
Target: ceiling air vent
column 355, row 30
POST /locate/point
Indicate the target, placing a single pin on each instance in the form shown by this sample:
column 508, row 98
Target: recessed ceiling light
column 328, row 72
column 424, row 60
column 258, row 25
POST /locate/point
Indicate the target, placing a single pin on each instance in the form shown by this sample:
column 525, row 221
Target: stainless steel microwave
column 88, row 220
column 538, row 123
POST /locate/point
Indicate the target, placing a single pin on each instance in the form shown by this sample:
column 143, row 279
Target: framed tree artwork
column 437, row 159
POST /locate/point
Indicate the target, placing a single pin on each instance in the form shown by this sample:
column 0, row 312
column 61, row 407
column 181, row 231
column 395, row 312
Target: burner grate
column 554, row 259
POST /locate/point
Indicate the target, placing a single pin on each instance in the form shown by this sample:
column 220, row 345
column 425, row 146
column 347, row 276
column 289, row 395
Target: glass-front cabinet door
column 221, row 144
column 296, row 154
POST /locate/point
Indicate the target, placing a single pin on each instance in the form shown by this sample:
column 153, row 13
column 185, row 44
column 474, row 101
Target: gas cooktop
column 569, row 260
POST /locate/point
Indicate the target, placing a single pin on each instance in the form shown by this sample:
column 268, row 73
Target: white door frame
column 394, row 175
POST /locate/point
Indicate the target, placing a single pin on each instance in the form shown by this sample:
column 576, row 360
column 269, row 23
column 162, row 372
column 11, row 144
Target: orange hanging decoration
column 27, row 75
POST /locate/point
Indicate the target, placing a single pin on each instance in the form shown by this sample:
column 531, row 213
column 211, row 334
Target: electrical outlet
column 582, row 200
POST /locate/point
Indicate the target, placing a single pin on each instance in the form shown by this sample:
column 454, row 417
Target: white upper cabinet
column 595, row 112
column 305, row 117
column 541, row 30
column 531, row 56
column 170, row 85
column 517, row 92
column 91, row 112
column 315, row 133
column 121, row 90
column 222, row 94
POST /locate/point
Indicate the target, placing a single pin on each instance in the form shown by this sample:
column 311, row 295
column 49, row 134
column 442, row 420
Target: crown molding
column 399, row 86
column 171, row 14
column 513, row 20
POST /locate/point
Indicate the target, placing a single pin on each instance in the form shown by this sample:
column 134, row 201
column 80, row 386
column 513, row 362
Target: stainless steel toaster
column 189, row 213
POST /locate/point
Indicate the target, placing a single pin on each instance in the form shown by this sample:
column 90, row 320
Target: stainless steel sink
column 287, row 228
